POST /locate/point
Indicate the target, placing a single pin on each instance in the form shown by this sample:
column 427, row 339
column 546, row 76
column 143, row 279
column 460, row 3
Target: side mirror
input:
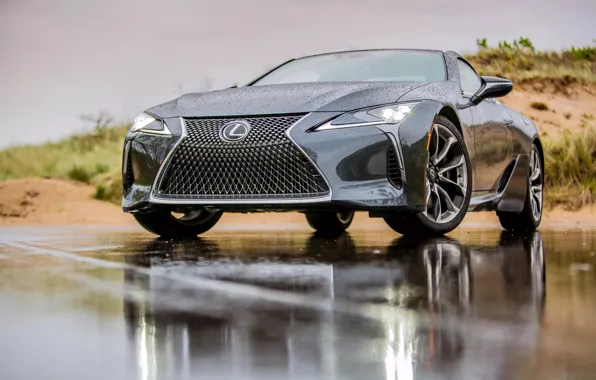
column 492, row 87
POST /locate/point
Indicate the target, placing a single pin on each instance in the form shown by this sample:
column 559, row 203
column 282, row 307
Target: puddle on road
column 292, row 305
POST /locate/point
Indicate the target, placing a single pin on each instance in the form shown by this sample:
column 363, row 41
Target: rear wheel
column 330, row 223
column 531, row 215
column 448, row 185
column 179, row 225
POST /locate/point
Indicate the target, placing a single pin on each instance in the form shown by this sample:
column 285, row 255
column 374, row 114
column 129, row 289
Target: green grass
column 81, row 157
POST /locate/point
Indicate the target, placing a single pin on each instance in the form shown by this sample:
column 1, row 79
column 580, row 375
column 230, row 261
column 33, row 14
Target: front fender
column 412, row 138
column 144, row 154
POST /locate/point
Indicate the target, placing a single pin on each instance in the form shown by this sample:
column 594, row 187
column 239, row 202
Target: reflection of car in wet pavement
column 409, row 310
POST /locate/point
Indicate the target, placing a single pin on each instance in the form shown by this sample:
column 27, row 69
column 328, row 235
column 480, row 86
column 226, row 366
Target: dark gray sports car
column 412, row 136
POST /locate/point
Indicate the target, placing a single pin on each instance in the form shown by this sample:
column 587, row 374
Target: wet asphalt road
column 105, row 303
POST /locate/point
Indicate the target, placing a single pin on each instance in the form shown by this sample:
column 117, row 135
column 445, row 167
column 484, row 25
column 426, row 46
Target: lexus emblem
column 234, row 131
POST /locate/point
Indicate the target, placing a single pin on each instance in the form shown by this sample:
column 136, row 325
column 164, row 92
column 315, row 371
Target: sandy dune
column 569, row 111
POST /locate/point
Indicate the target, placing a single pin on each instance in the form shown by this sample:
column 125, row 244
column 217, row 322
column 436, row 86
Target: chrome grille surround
column 265, row 167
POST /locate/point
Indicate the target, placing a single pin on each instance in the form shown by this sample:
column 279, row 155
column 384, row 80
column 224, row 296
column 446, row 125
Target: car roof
column 365, row 50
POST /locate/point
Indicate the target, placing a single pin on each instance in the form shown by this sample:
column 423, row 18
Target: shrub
column 79, row 173
column 587, row 53
column 109, row 188
column 101, row 168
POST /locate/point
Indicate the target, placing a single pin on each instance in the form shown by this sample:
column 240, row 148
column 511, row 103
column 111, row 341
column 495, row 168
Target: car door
column 491, row 126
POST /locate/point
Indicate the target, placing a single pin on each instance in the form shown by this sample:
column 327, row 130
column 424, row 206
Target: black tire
column 418, row 224
column 164, row 224
column 526, row 220
column 330, row 223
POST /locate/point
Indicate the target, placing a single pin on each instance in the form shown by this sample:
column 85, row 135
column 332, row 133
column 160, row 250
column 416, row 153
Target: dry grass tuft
column 570, row 169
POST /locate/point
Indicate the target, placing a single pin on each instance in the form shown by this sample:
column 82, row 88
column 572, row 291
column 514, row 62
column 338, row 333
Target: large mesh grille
column 264, row 165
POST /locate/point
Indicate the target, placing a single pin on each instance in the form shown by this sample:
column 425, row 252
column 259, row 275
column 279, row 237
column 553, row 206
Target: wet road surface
column 103, row 303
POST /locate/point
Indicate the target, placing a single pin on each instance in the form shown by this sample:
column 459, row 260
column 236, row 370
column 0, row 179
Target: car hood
column 285, row 99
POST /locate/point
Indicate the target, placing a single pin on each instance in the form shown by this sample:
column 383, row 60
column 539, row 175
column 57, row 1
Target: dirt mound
column 38, row 201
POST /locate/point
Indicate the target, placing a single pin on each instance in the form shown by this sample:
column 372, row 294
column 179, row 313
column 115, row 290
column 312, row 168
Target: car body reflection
column 183, row 331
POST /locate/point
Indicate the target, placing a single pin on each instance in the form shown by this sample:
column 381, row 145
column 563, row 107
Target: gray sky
column 60, row 59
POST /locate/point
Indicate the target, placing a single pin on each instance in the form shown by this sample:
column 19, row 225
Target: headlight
column 390, row 114
column 148, row 124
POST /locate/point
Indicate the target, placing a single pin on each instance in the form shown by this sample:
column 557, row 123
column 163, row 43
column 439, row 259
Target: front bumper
column 353, row 161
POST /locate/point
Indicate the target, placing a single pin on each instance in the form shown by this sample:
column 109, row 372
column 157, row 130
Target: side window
column 469, row 81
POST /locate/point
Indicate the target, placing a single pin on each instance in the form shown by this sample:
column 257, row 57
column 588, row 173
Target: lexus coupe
column 412, row 136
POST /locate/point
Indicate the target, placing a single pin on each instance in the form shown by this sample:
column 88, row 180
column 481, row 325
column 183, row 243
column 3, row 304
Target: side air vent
column 393, row 171
column 505, row 176
column 128, row 176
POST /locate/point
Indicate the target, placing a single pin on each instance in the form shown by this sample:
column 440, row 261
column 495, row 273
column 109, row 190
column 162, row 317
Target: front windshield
column 379, row 65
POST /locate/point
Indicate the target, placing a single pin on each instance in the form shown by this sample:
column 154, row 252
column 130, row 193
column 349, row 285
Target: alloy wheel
column 447, row 176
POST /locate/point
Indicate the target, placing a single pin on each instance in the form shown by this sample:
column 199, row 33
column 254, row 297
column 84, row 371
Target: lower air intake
column 266, row 164
column 128, row 177
column 393, row 171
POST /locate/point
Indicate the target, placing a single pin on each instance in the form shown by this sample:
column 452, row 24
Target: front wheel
column 178, row 226
column 448, row 185
column 330, row 223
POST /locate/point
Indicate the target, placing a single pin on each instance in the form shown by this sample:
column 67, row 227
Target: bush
column 82, row 174
column 101, row 168
column 109, row 188
column 587, row 53
column 78, row 173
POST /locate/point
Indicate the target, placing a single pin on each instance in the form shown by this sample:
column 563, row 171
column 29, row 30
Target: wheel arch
column 536, row 141
column 451, row 114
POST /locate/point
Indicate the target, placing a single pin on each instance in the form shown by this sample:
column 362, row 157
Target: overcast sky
column 60, row 59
